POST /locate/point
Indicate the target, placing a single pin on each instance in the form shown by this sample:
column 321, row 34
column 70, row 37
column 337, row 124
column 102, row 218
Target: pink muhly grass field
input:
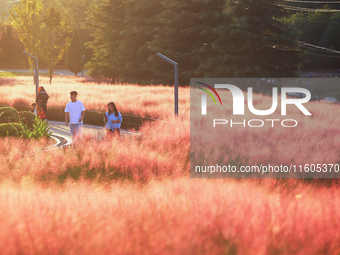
column 162, row 151
column 134, row 196
column 314, row 140
column 179, row 216
column 150, row 101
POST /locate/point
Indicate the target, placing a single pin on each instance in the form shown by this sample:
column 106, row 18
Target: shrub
column 8, row 115
column 40, row 129
column 7, row 129
column 27, row 118
column 18, row 127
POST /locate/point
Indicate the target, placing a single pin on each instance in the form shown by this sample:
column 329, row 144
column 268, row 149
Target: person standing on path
column 113, row 119
column 41, row 99
column 34, row 109
column 75, row 112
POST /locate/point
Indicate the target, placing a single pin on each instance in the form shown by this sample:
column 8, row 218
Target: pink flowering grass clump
column 161, row 151
column 133, row 195
column 179, row 216
column 16, row 156
column 315, row 139
column 149, row 101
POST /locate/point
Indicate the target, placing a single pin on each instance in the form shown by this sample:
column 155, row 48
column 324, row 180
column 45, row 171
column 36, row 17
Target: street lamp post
column 82, row 70
column 36, row 73
column 299, row 80
column 176, row 79
column 308, row 80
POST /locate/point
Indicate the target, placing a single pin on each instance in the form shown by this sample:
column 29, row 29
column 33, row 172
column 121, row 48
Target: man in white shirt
column 74, row 112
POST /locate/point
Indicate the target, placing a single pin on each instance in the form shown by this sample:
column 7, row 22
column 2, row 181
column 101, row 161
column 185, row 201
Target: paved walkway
column 59, row 128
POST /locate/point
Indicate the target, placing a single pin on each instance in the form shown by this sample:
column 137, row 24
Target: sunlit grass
column 150, row 101
column 134, row 196
column 179, row 216
column 8, row 74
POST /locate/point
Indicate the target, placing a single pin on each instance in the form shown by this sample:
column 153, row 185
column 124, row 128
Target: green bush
column 7, row 129
column 27, row 119
column 40, row 129
column 8, row 115
column 17, row 126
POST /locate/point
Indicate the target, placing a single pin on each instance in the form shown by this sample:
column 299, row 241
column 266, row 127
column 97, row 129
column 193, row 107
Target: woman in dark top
column 42, row 98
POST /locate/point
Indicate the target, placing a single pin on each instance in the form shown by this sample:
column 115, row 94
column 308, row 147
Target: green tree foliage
column 133, row 51
column 206, row 39
column 184, row 33
column 331, row 35
column 121, row 30
column 75, row 14
column 106, row 20
column 26, row 19
column 320, row 29
column 258, row 43
column 74, row 55
column 313, row 25
column 11, row 48
column 127, row 33
column 315, row 4
column 54, row 39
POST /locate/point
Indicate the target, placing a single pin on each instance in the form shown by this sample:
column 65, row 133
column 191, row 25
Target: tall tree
column 74, row 55
column 2, row 21
column 106, row 21
column 54, row 39
column 258, row 44
column 331, row 35
column 137, row 31
column 26, row 19
column 10, row 48
column 316, row 28
column 185, row 32
column 313, row 25
column 75, row 14
column 121, row 30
